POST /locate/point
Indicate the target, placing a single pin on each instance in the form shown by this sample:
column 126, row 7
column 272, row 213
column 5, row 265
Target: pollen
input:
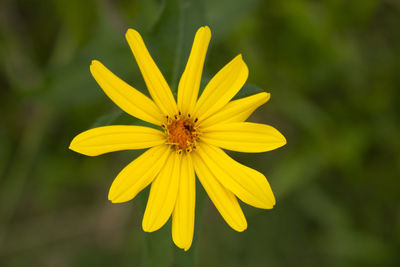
column 181, row 133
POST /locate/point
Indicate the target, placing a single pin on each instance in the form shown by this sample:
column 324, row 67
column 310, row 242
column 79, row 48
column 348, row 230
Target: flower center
column 181, row 133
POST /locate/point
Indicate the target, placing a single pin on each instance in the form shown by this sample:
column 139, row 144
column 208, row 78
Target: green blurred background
column 332, row 68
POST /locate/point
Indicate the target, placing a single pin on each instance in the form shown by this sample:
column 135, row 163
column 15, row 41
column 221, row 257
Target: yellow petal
column 223, row 199
column 138, row 174
column 237, row 110
column 114, row 138
column 243, row 137
column 222, row 87
column 183, row 215
column 189, row 83
column 125, row 96
column 247, row 184
column 156, row 84
column 163, row 193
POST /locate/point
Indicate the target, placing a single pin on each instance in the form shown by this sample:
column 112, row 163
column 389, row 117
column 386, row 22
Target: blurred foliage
column 332, row 68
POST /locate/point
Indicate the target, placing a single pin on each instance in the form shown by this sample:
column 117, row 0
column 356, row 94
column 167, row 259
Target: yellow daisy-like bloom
column 192, row 132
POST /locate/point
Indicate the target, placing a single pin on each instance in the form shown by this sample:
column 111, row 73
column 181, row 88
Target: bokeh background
column 332, row 68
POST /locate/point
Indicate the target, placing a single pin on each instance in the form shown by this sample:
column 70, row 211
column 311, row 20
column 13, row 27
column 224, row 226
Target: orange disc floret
column 181, row 133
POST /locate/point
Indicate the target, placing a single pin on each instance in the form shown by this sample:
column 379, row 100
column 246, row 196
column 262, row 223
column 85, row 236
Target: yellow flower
column 189, row 140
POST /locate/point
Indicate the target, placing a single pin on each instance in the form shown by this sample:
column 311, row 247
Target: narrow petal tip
column 146, row 228
column 267, row 96
column 75, row 146
column 71, row 146
column 279, row 139
column 282, row 140
column 187, row 248
column 95, row 66
column 132, row 33
column 115, row 195
column 94, row 62
column 243, row 65
column 264, row 97
column 206, row 30
column 114, row 198
column 241, row 228
column 238, row 58
column 269, row 203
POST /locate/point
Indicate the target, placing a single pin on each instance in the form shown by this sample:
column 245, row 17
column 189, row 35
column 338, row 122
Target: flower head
column 192, row 131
